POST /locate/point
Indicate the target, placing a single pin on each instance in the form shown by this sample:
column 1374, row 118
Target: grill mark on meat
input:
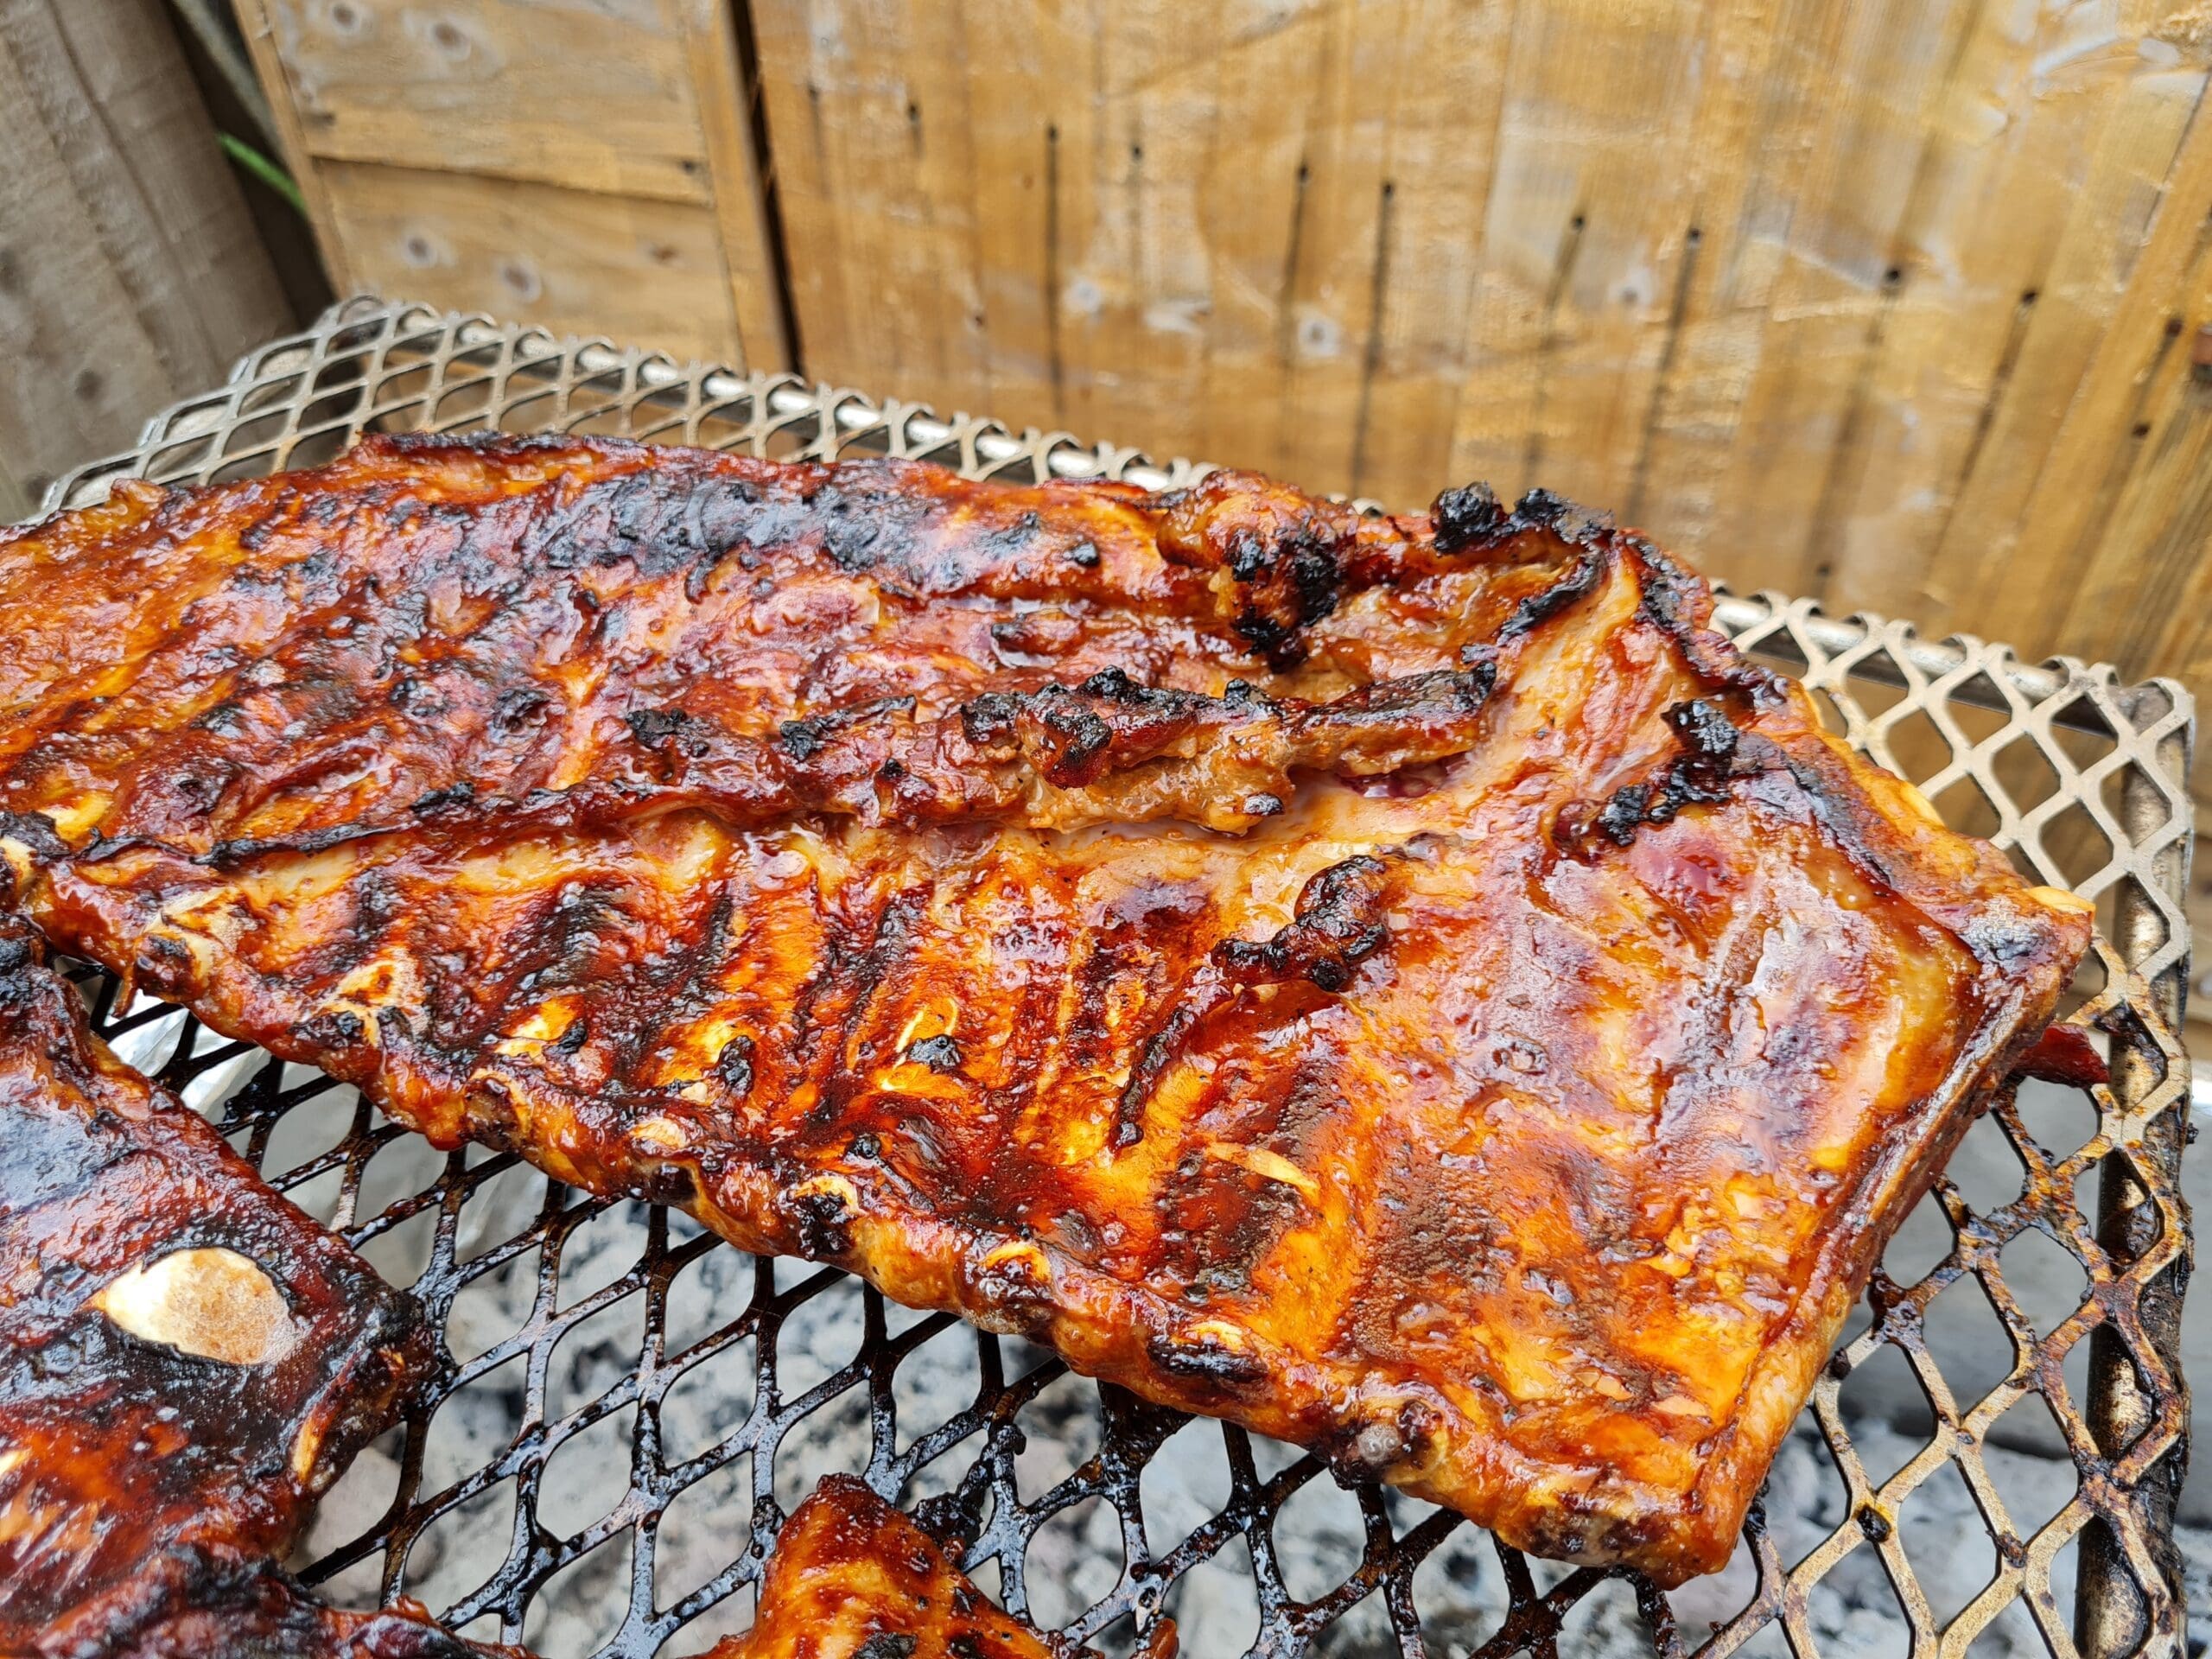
column 1222, row 761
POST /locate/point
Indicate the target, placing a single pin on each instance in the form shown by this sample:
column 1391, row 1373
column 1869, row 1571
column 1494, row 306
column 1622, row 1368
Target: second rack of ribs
column 1400, row 983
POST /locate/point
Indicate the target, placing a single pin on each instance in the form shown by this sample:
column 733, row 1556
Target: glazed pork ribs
column 852, row 1577
column 185, row 1361
column 1402, row 984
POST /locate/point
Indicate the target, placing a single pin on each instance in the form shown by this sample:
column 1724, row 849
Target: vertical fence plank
column 579, row 167
column 130, row 271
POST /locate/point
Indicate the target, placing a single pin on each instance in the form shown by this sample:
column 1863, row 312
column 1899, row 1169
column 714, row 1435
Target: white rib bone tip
column 212, row 1303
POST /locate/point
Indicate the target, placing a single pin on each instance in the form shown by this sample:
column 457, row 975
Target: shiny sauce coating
column 1400, row 983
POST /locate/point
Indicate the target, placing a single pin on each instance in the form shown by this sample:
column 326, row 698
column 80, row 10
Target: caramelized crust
column 186, row 1360
column 1400, row 983
column 234, row 1608
column 851, row 1578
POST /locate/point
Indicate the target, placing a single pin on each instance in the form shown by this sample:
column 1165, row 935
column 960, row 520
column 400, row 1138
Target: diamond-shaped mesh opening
column 1882, row 1391
column 1967, row 806
column 2046, row 1278
column 635, row 1406
column 1912, row 745
column 1968, row 1342
column 1952, row 1555
column 2026, row 775
column 2033, row 1478
column 593, row 1593
column 2076, row 846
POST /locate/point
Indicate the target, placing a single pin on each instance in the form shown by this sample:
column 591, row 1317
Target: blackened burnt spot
column 1668, row 592
column 441, row 800
column 887, row 1644
column 653, row 726
column 336, row 1029
column 1534, row 611
column 1204, row 1361
column 941, row 1054
column 1082, row 738
column 2009, row 944
column 988, row 720
column 733, row 1065
column 1570, row 521
column 1340, row 922
column 517, row 709
column 36, row 831
column 1618, row 819
column 804, row 739
column 1292, row 577
column 1470, row 519
column 1467, row 516
column 869, row 529
column 200, row 790
column 1247, row 554
column 254, row 535
column 1010, row 540
column 822, row 1221
column 1115, row 682
column 1084, row 555
column 573, row 1037
column 1705, row 731
column 1714, row 753
column 1663, row 586
column 1541, row 506
column 660, row 520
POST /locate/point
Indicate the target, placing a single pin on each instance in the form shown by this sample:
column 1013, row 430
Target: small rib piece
column 852, row 1577
column 185, row 1361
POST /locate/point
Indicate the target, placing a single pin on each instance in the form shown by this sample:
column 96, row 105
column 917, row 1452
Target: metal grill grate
column 635, row 1406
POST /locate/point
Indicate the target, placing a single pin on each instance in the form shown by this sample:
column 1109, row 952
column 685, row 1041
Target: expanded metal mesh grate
column 634, row 1405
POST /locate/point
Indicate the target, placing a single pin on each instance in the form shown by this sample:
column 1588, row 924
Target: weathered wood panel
column 1893, row 301
column 537, row 92
column 535, row 253
column 130, row 273
column 585, row 165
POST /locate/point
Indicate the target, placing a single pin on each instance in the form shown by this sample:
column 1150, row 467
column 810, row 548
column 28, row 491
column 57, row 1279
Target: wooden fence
column 1903, row 302
column 130, row 273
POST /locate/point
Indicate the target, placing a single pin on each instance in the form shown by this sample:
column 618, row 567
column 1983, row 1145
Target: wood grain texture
column 130, row 274
column 1892, row 302
column 577, row 144
column 596, row 97
column 538, row 254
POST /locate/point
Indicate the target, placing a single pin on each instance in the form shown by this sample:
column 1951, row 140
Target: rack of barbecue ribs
column 1400, row 983
column 852, row 1577
column 185, row 1361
